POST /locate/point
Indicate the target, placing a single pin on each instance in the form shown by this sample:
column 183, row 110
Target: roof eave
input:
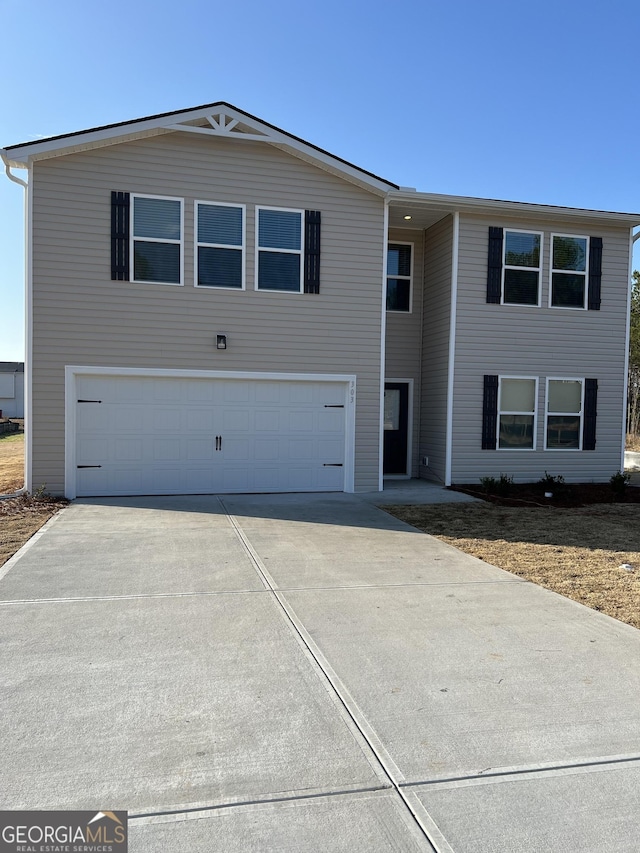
column 24, row 154
column 451, row 203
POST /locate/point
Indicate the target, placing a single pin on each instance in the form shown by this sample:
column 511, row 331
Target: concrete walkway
column 307, row 673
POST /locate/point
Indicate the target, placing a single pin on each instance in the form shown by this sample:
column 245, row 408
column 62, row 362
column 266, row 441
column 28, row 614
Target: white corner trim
column 452, row 346
column 625, row 382
column 73, row 371
column 28, row 348
column 383, row 342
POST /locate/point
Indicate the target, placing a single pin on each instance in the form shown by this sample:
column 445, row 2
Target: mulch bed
column 570, row 494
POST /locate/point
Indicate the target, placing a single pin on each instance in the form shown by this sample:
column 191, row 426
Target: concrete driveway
column 306, row 673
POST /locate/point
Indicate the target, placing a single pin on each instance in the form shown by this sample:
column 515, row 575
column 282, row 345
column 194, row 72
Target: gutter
column 7, row 168
column 25, row 187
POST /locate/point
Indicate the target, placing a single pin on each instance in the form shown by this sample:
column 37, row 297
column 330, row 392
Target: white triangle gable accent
column 225, row 122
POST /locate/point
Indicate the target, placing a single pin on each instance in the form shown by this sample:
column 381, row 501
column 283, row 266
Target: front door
column 396, row 423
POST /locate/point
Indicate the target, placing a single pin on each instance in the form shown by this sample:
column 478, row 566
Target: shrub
column 619, row 482
column 495, row 486
column 549, row 483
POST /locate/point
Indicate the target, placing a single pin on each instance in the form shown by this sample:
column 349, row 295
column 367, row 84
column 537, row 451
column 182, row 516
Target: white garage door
column 157, row 435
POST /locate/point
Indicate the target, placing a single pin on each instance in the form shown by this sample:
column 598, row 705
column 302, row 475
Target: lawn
column 11, row 462
column 575, row 551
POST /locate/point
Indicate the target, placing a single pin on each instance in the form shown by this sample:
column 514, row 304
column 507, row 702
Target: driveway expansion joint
column 535, row 771
column 201, row 808
column 385, row 766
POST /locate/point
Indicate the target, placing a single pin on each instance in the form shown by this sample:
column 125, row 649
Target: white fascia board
column 21, row 156
column 466, row 204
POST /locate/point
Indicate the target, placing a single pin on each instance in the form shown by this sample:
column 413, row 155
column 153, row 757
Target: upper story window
column 279, row 249
column 399, row 272
column 220, row 245
column 564, row 414
column 517, row 413
column 521, row 268
column 569, row 271
column 156, row 237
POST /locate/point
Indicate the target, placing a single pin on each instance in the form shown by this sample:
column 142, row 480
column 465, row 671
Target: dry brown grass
column 633, row 442
column 11, row 462
column 20, row 518
column 575, row 552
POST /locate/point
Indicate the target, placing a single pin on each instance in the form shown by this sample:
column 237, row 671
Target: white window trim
column 578, row 272
column 260, row 248
column 564, row 414
column 241, row 247
column 502, row 376
column 133, row 238
column 506, row 266
column 403, row 277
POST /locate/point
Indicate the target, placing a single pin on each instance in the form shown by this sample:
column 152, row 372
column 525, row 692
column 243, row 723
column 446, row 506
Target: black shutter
column 595, row 272
column 590, row 412
column 312, row 251
column 490, row 413
column 120, row 236
column 494, row 266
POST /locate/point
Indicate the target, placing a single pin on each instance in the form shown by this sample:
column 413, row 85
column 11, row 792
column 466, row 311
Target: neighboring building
column 12, row 389
column 216, row 306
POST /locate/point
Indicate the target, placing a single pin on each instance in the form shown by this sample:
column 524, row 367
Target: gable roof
column 219, row 119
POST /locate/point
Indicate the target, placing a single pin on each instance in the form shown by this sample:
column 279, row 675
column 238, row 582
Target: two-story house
column 215, row 305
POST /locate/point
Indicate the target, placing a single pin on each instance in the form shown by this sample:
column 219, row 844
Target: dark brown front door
column 396, row 422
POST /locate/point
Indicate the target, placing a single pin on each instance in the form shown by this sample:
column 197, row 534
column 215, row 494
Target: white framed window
column 517, row 412
column 569, row 271
column 521, row 267
column 220, row 245
column 399, row 277
column 565, row 407
column 156, row 239
column 279, row 236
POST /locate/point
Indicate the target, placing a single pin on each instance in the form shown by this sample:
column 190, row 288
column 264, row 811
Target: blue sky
column 531, row 102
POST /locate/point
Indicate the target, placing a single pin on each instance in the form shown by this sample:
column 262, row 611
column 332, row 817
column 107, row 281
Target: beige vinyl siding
column 404, row 334
column 539, row 342
column 81, row 317
column 438, row 257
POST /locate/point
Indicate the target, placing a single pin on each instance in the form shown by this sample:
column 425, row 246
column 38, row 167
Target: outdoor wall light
column 221, row 341
column 407, row 217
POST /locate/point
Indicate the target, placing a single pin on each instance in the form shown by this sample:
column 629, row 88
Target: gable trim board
column 22, row 154
column 74, row 374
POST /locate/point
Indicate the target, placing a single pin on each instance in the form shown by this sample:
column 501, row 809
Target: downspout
column 27, row 366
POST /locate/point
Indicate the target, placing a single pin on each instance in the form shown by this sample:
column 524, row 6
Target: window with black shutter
column 490, row 413
column 120, row 206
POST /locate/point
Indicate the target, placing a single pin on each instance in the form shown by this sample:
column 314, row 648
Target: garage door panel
column 266, row 449
column 330, row 479
column 300, row 421
column 268, row 421
column 200, row 420
column 158, row 435
column 128, row 450
column 236, row 420
column 235, row 392
column 200, row 449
